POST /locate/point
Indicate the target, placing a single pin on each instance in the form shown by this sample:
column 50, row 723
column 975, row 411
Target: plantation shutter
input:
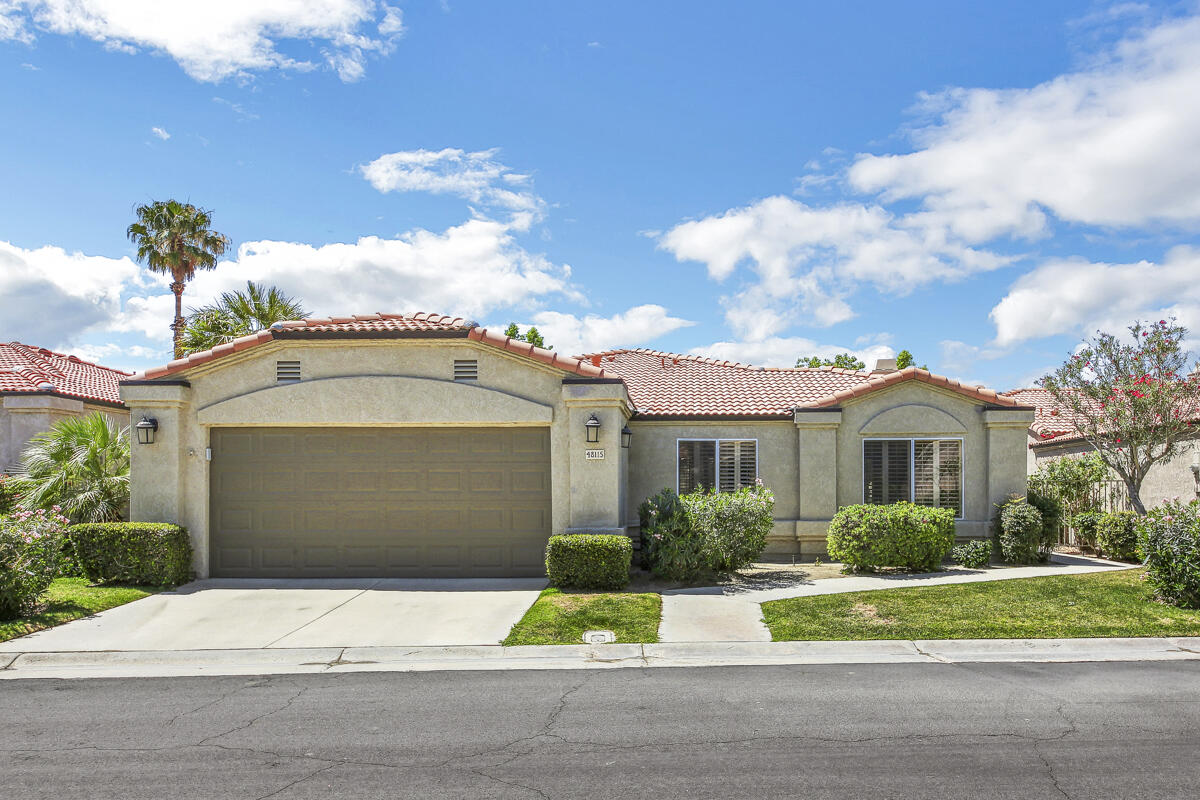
column 937, row 474
column 739, row 465
column 697, row 465
column 886, row 473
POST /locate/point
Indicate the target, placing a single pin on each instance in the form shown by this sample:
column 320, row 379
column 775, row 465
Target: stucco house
column 424, row 445
column 1052, row 435
column 39, row 387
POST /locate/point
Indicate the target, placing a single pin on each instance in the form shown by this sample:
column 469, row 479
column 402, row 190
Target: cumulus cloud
column 477, row 177
column 589, row 334
column 219, row 39
column 782, row 351
column 1076, row 297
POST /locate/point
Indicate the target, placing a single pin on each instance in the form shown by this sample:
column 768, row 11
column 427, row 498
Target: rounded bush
column 30, row 548
column 1116, row 536
column 866, row 537
column 1170, row 540
column 589, row 561
column 684, row 538
column 1051, row 510
column 147, row 553
column 1020, row 532
column 1085, row 524
column 972, row 555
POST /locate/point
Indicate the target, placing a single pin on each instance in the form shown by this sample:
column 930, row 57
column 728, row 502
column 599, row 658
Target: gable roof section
column 1051, row 421
column 669, row 385
column 26, row 369
column 378, row 326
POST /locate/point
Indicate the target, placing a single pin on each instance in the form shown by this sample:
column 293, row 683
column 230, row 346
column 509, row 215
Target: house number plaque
column 593, row 455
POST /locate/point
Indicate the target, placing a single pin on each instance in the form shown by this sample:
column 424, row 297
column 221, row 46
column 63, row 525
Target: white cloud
column 806, row 259
column 1077, row 297
column 476, row 177
column 160, row 133
column 782, row 351
column 636, row 326
column 1116, row 144
column 219, row 39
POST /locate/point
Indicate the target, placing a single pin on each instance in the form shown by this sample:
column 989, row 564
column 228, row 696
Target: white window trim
column 716, row 455
column 912, row 467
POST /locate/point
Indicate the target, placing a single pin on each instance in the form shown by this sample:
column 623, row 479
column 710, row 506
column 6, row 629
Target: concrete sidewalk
column 331, row 660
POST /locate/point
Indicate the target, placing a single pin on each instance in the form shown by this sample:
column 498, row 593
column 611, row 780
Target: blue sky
column 980, row 183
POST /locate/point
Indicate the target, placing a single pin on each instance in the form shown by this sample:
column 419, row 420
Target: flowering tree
column 1134, row 402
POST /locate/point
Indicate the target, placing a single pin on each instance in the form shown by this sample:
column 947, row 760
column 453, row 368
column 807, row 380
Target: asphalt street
column 1098, row 730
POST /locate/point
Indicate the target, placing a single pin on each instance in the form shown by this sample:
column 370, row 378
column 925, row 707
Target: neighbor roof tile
column 25, row 368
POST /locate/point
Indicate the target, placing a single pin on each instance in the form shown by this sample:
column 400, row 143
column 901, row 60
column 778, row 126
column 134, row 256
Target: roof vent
column 287, row 371
column 885, row 365
column 45, row 386
column 466, row 370
column 277, row 325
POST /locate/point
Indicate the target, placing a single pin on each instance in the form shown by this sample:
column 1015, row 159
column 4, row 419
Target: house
column 1052, row 435
column 424, row 445
column 39, row 387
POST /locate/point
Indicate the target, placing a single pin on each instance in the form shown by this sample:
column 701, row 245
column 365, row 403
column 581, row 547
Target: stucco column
column 816, row 476
column 595, row 471
column 1007, row 445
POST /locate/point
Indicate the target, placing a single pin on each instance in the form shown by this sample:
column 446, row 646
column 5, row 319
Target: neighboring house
column 39, row 387
column 1052, row 435
column 426, row 446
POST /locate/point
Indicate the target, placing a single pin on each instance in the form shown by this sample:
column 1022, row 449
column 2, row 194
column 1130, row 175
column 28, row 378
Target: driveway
column 234, row 614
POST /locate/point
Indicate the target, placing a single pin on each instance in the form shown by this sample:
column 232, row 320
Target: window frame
column 716, row 456
column 912, row 466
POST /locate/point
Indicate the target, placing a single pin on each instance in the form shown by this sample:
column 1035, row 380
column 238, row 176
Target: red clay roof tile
column 25, row 368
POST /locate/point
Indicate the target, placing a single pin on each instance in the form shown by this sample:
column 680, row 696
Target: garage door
column 379, row 502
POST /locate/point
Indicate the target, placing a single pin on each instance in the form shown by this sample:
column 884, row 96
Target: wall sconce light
column 626, row 437
column 146, row 430
column 592, row 426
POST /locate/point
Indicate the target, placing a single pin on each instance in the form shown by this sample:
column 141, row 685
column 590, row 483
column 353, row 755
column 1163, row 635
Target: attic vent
column 287, row 371
column 466, row 370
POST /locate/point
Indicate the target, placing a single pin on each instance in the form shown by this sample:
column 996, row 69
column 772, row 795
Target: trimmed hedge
column 972, row 555
column 1021, row 532
column 1170, row 539
column 147, row 553
column 1116, row 536
column 865, row 537
column 589, row 560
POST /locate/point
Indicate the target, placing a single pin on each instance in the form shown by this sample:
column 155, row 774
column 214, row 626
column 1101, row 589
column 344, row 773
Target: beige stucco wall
column 389, row 382
column 24, row 416
column 1166, row 480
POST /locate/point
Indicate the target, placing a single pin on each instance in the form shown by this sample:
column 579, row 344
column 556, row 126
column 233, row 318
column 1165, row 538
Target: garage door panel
column 431, row 502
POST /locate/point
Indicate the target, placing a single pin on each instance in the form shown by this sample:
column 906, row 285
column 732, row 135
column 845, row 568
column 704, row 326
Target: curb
column 330, row 660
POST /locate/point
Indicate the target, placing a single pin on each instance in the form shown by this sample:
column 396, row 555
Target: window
column 466, row 370
column 725, row 465
column 287, row 371
column 927, row 472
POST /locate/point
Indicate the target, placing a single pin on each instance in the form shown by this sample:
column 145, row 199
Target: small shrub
column 1052, row 512
column 734, row 525
column 8, row 495
column 147, row 553
column 1021, row 528
column 589, row 561
column 30, row 544
column 866, row 537
column 671, row 548
column 972, row 555
column 1169, row 537
column 1085, row 524
column 1116, row 536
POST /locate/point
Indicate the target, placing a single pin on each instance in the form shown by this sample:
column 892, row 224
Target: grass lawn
column 1062, row 606
column 71, row 598
column 560, row 617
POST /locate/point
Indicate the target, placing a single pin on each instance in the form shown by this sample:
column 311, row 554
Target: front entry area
column 444, row 502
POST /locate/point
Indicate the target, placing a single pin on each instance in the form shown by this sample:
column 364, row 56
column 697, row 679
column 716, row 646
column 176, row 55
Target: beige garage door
column 379, row 502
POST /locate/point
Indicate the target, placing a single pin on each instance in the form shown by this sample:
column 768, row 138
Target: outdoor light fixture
column 592, row 426
column 626, row 437
column 146, row 429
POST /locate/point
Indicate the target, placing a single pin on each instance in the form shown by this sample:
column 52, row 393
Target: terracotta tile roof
column 382, row 326
column 669, row 385
column 1051, row 421
column 25, row 368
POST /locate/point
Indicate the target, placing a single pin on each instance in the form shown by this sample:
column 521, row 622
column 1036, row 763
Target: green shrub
column 914, row 537
column 1052, row 512
column 30, row 544
column 1085, row 524
column 972, row 555
column 1021, row 529
column 148, row 553
column 1169, row 537
column 1116, row 536
column 589, row 561
column 671, row 548
column 686, row 537
column 8, row 495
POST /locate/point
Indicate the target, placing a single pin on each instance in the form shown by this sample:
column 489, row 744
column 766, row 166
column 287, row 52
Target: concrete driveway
column 235, row 614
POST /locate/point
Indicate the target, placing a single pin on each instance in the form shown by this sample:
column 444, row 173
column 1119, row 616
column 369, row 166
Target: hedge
column 1020, row 532
column 1116, row 536
column 865, row 537
column 685, row 538
column 1170, row 539
column 589, row 560
column 147, row 553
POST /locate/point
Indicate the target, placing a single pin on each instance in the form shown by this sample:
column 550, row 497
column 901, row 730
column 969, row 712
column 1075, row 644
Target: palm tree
column 237, row 314
column 174, row 239
column 81, row 465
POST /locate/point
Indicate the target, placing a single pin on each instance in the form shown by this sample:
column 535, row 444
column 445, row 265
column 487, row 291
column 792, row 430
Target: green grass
column 69, row 599
column 1063, row 606
column 560, row 617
